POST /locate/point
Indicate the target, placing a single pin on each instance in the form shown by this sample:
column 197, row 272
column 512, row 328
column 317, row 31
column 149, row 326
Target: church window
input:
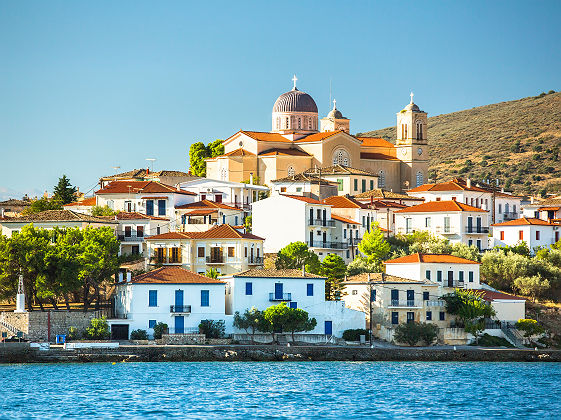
column 290, row 171
column 419, row 130
column 278, row 123
column 223, row 174
column 382, row 180
column 286, row 122
column 310, row 123
column 419, row 179
column 299, row 122
column 341, row 158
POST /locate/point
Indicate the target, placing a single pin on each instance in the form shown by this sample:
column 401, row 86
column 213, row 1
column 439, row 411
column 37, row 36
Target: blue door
column 278, row 291
column 179, row 325
column 328, row 328
column 178, row 300
column 293, row 305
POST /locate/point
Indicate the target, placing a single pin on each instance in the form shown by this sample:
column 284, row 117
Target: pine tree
column 373, row 245
column 64, row 191
column 333, row 267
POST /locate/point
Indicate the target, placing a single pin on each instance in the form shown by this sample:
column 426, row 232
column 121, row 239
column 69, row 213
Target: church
column 299, row 141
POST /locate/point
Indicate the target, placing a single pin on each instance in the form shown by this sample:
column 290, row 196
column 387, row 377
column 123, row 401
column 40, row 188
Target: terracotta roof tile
column 380, row 193
column 90, row 201
column 340, row 170
column 302, row 198
column 60, row 216
column 284, row 152
column 376, row 156
column 265, row 136
column 440, row 206
column 173, row 275
column 273, row 273
column 381, row 278
column 140, row 187
column 430, row 258
column 342, row 202
column 123, row 215
column 206, row 204
column 375, row 142
column 343, row 219
column 304, row 177
column 490, row 295
column 223, row 232
column 318, row 136
column 170, row 235
column 525, row 221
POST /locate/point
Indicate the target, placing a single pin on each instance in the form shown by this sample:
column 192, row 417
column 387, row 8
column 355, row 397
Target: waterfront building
column 13, row 207
column 534, row 232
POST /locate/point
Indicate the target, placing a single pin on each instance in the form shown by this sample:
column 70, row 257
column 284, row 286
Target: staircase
column 512, row 337
column 7, row 326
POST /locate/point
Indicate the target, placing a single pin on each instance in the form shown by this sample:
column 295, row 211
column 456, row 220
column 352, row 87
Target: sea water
column 281, row 390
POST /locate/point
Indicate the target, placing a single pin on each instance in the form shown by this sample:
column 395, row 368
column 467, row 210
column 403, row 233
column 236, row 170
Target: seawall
column 22, row 353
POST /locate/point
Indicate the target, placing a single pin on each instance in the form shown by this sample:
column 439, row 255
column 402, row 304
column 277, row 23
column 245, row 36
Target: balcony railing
column 255, row 260
column 446, row 230
column 477, row 229
column 321, row 222
column 180, row 309
column 431, row 303
column 404, row 303
column 132, row 238
column 328, row 245
column 354, row 241
column 510, row 215
column 156, row 260
column 453, row 283
column 216, row 259
column 278, row 297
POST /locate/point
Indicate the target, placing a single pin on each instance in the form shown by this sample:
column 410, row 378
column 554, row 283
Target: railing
column 132, row 238
column 446, row 230
column 180, row 309
column 404, row 303
column 321, row 222
column 477, row 229
column 330, row 245
column 354, row 241
column 197, row 222
column 510, row 215
column 155, row 260
column 217, row 259
column 277, row 297
column 255, row 260
column 432, row 303
column 453, row 283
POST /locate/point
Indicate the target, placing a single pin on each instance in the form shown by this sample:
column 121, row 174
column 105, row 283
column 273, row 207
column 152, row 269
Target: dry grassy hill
column 518, row 142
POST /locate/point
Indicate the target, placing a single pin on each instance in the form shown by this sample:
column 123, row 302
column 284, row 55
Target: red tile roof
column 170, row 235
column 284, row 152
column 301, row 198
column 238, row 152
column 201, row 212
column 490, row 295
column 318, row 136
column 342, row 202
column 377, row 156
column 206, row 204
column 140, row 187
column 430, row 258
column 524, row 221
column 223, row 232
column 123, row 215
column 264, row 136
column 173, row 275
column 90, row 201
column 549, row 208
column 440, row 206
column 375, row 142
column 343, row 219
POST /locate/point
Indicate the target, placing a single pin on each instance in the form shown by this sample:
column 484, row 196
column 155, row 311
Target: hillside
column 517, row 142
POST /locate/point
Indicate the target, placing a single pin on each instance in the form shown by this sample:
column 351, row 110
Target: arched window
column 286, row 122
column 309, row 123
column 419, row 130
column 223, row 174
column 299, row 122
column 290, row 171
column 420, row 180
column 341, row 158
column 382, row 179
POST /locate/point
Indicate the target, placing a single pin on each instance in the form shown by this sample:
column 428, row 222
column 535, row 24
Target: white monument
column 20, row 298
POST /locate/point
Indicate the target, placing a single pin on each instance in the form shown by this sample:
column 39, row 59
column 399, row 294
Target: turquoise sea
column 284, row 390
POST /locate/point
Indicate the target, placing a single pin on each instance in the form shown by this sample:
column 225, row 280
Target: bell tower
column 411, row 146
column 335, row 120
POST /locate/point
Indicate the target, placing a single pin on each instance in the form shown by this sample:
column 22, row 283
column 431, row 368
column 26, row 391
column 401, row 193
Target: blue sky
column 86, row 86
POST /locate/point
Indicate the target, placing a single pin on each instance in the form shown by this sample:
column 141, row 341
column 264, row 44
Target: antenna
column 151, row 160
column 330, row 91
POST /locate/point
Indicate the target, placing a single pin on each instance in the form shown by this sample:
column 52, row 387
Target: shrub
column 414, row 332
column 212, row 329
column 159, row 329
column 487, row 340
column 98, row 329
column 530, row 327
column 139, row 335
column 354, row 335
column 73, row 334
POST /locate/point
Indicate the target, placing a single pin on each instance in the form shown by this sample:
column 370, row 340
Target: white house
column 133, row 229
column 172, row 295
column 305, row 184
column 350, row 180
column 261, row 288
column 453, row 220
column 535, row 232
column 81, row 206
column 508, row 308
column 235, row 194
column 202, row 215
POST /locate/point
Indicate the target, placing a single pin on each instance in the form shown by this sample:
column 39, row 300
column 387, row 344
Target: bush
column 354, row 335
column 139, row 335
column 414, row 332
column 73, row 334
column 98, row 329
column 159, row 329
column 530, row 327
column 487, row 340
column 212, row 329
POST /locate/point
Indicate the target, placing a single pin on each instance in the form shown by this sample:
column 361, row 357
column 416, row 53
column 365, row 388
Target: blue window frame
column 152, row 298
column 395, row 318
column 427, row 274
column 363, row 185
column 248, row 288
column 442, row 316
column 310, row 289
column 236, row 220
column 470, row 276
column 150, row 207
column 205, row 300
column 371, row 185
column 429, row 316
column 151, row 323
column 161, row 207
column 425, row 295
column 293, row 305
column 461, row 276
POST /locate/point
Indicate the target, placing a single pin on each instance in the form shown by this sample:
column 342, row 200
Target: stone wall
column 183, row 339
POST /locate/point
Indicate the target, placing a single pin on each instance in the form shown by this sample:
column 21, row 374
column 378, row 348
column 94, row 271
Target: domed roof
column 295, row 101
column 412, row 107
column 335, row 113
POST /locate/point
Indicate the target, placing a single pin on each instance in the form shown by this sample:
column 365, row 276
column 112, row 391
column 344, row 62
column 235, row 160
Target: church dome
column 295, row 101
column 412, row 107
column 335, row 113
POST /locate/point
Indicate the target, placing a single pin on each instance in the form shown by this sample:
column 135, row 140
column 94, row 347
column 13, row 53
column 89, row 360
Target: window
column 175, row 255
column 371, row 185
column 419, row 130
column 283, row 189
column 410, row 317
column 363, row 221
column 478, row 243
column 442, row 316
column 446, row 224
column 245, row 252
column 382, row 179
column 286, row 122
column 218, row 198
column 395, row 318
column 161, row 207
column 248, row 288
column 341, row 158
column 310, row 289
column 151, row 323
column 140, row 231
column 224, row 174
column 502, row 235
column 429, row 316
column 419, row 179
column 152, row 298
column 290, row 171
column 427, row 274
column 201, row 252
column 348, row 254
column 427, row 222
column 354, row 292
column 205, row 298
column 340, row 184
column 537, row 235
column 426, row 295
column 373, row 295
column 363, row 185
column 231, row 251
column 461, row 276
column 298, row 189
column 500, row 208
column 293, row 305
column 470, row 242
column 521, row 235
column 408, row 225
column 506, row 208
column 128, row 231
column 356, row 184
column 150, row 207
column 299, row 122
column 470, row 276
column 439, row 276
column 344, row 233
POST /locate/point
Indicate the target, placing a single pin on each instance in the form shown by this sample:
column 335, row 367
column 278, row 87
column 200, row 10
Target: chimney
column 468, row 182
column 120, row 276
column 251, row 178
column 129, row 276
column 147, row 171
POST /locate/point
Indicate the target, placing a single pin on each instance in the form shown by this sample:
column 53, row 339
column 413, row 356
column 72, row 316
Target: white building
column 304, row 184
column 134, row 228
column 350, row 180
column 172, row 295
column 203, row 215
column 234, row 194
column 81, row 206
column 453, row 220
column 263, row 288
column 535, row 232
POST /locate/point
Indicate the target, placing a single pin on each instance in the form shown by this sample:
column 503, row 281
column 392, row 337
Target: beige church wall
column 390, row 151
column 267, row 169
column 391, row 168
column 262, row 146
column 341, row 141
column 315, row 150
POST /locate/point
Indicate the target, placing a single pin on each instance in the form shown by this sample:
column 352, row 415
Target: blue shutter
column 248, row 288
column 395, row 318
column 427, row 274
column 204, row 298
column 151, row 323
column 461, row 274
column 439, row 275
column 442, row 316
column 293, row 305
column 150, row 207
column 429, row 316
column 152, row 298
column 425, row 295
column 310, row 289
column 328, row 328
column 373, row 295
column 161, row 207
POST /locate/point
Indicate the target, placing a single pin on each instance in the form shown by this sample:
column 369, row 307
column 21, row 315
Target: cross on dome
column 334, row 104
column 294, row 79
column 411, row 96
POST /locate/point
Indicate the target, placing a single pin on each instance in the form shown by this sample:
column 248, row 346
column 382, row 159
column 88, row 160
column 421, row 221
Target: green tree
column 198, row 152
column 103, row 211
column 213, row 273
column 276, row 318
column 212, row 329
column 297, row 255
column 333, row 267
column 470, row 308
column 469, row 252
column 251, row 321
column 215, row 148
column 64, row 191
column 412, row 333
column 373, row 244
column 248, row 222
column 533, row 286
column 43, row 204
column 159, row 329
column 139, row 335
column 530, row 327
column 98, row 329
column 298, row 320
column 361, row 265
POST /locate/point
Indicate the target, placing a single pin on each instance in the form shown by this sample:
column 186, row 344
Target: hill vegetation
column 517, row 142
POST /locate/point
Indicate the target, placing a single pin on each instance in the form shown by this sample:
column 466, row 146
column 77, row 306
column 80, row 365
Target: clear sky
column 86, row 86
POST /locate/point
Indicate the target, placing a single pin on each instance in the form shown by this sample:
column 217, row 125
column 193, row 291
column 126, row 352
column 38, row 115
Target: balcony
column 477, row 229
column 180, row 309
column 354, row 241
column 132, row 238
column 405, row 304
column 255, row 260
column 216, row 259
column 280, row 297
column 321, row 222
column 328, row 245
column 434, row 303
column 453, row 283
column 510, row 215
column 446, row 230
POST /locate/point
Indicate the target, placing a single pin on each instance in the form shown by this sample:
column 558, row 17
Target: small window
column 364, row 185
column 290, row 171
column 150, row 207
column 340, row 184
column 470, row 276
column 373, row 295
column 245, row 252
column 231, row 251
column 161, row 207
column 442, row 316
column 152, row 298
column 371, row 185
column 429, row 316
column 382, row 179
column 427, row 222
column 310, row 289
column 151, row 323
column 356, row 184
column 461, row 278
column 248, row 288
column 205, row 301
column 439, row 276
column 201, row 252
column 537, row 235
column 521, row 235
column 293, row 305
column 128, row 231
column 395, row 318
column 426, row 295
column 427, row 274
column 354, row 292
